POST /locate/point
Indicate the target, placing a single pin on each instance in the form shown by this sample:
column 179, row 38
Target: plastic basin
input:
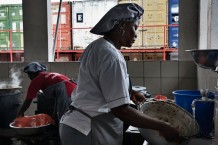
column 184, row 98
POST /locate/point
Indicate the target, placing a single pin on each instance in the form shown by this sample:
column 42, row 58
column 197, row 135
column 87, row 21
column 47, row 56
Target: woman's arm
column 138, row 119
column 24, row 107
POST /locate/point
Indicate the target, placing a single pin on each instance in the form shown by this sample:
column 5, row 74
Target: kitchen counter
column 134, row 138
column 198, row 142
column 37, row 139
column 203, row 142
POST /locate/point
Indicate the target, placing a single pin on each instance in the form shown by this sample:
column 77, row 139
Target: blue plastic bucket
column 184, row 98
column 204, row 110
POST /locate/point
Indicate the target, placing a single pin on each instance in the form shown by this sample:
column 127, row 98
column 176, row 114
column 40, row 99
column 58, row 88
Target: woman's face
column 129, row 35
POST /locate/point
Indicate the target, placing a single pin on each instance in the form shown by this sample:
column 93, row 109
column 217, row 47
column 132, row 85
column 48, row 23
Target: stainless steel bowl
column 205, row 58
column 30, row 130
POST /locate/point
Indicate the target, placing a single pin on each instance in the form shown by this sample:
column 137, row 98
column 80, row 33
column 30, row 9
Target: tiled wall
column 163, row 77
column 159, row 77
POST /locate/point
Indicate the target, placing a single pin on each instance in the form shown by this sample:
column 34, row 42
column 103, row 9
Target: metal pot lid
column 9, row 86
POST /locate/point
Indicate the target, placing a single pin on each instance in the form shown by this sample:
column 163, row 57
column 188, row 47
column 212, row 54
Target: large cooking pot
column 9, row 88
column 172, row 114
column 10, row 102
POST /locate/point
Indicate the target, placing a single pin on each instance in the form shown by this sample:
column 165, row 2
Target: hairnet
column 121, row 12
column 34, row 67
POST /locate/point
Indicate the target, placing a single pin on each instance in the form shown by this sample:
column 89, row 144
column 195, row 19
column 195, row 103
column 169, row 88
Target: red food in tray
column 160, row 98
column 33, row 121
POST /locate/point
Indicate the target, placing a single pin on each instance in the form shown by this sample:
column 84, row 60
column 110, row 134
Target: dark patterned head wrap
column 34, row 67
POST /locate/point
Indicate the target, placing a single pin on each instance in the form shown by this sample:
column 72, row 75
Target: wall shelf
column 152, row 42
column 73, row 55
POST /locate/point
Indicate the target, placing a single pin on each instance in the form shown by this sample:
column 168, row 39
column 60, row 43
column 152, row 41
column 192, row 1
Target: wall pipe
column 56, row 29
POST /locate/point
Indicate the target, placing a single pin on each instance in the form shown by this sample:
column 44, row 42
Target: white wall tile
column 135, row 68
column 169, row 69
column 168, row 85
column 187, row 69
column 58, row 67
column 72, row 69
column 152, row 69
column 188, row 84
column 153, row 85
column 137, row 81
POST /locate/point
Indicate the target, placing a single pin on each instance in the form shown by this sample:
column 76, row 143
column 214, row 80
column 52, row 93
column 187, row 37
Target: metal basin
column 207, row 58
column 172, row 114
column 29, row 125
column 30, row 130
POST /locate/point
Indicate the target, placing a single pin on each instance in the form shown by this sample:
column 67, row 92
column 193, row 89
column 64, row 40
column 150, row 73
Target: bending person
column 54, row 86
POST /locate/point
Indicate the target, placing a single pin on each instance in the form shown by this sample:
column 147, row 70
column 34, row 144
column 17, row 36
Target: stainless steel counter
column 198, row 142
column 195, row 141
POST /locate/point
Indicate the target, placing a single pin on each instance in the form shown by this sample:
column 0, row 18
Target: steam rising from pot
column 15, row 74
column 14, row 80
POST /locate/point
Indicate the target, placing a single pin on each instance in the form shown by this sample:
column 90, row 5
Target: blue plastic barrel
column 204, row 115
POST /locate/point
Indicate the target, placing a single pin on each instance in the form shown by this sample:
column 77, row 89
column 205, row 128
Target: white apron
column 106, row 129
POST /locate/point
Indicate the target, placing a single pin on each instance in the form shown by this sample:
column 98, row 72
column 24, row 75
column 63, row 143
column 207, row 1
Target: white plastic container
column 174, row 56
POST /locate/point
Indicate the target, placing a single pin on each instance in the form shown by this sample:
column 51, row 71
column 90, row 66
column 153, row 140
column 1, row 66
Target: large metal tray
column 168, row 112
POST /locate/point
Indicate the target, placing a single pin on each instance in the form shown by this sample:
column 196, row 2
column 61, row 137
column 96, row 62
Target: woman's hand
column 170, row 134
column 137, row 97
